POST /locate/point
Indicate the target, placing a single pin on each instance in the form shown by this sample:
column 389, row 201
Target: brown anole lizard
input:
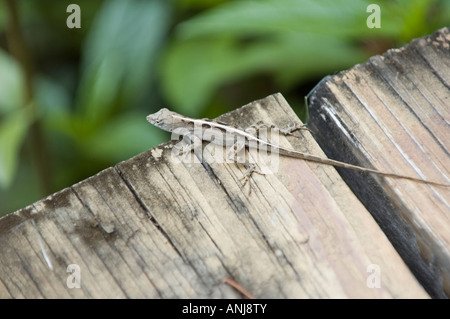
column 196, row 129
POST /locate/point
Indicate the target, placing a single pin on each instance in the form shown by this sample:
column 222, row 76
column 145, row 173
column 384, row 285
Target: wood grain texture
column 154, row 227
column 392, row 113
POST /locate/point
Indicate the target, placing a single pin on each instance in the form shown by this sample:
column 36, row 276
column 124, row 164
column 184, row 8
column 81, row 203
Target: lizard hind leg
column 235, row 154
column 251, row 168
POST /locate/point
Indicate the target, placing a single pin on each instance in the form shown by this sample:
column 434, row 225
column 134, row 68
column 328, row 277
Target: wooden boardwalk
column 156, row 228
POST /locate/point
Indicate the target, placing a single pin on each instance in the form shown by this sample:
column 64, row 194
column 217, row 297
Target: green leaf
column 12, row 87
column 51, row 96
column 194, row 70
column 120, row 56
column 122, row 138
column 198, row 4
column 289, row 39
column 12, row 133
column 340, row 18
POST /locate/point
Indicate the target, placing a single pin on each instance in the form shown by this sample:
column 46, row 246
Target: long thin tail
column 328, row 161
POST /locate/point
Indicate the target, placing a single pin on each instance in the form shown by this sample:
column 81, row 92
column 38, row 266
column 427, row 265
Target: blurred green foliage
column 87, row 91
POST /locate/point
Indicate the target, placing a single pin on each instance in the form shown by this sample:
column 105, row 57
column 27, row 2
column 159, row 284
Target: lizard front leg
column 183, row 149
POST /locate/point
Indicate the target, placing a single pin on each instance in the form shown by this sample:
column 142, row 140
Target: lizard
column 171, row 121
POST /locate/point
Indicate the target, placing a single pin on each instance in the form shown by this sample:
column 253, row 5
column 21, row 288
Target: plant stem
column 36, row 142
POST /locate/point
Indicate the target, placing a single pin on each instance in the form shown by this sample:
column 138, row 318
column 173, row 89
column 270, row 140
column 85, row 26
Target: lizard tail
column 328, row 161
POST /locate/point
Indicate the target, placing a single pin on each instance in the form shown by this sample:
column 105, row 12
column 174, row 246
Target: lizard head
column 163, row 119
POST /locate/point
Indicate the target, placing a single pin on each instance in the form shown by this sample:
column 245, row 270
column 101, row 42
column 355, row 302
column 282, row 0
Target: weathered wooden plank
column 392, row 113
column 154, row 227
